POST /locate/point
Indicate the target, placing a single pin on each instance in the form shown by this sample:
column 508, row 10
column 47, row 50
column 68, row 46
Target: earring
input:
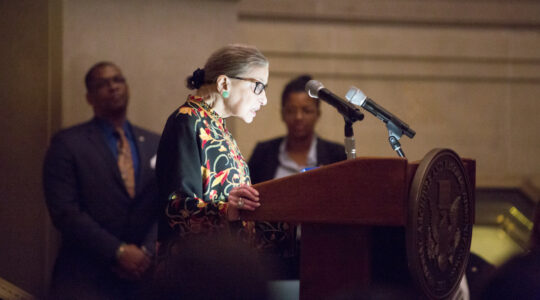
column 225, row 94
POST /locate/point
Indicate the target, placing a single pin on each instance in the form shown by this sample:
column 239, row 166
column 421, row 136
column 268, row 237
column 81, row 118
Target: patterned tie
column 125, row 162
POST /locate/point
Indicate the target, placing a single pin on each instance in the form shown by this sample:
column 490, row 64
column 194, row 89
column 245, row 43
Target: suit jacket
column 265, row 158
column 90, row 205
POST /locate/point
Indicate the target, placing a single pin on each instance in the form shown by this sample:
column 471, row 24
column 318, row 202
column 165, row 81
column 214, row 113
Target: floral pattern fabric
column 209, row 166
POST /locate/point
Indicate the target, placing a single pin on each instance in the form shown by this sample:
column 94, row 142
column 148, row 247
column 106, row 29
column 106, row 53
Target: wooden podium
column 338, row 205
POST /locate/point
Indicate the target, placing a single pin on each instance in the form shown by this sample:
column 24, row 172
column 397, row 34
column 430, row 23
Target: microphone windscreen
column 355, row 96
column 313, row 87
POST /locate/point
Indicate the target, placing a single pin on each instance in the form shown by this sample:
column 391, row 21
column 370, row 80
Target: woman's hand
column 242, row 197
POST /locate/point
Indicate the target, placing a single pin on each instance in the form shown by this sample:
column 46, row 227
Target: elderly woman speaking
column 203, row 178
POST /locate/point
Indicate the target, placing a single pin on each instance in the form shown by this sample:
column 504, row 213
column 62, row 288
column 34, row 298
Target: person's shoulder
column 330, row 152
column 188, row 112
column 330, row 144
column 143, row 131
column 74, row 131
column 264, row 147
column 270, row 142
column 145, row 135
column 72, row 139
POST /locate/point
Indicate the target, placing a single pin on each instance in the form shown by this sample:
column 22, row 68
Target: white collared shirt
column 287, row 166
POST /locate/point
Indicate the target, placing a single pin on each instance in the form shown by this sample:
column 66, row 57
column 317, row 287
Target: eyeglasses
column 259, row 86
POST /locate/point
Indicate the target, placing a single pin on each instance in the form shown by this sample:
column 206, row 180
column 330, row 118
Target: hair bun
column 197, row 79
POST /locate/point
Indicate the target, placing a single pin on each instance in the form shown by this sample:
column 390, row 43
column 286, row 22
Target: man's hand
column 132, row 262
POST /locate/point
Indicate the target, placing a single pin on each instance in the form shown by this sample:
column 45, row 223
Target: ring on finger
column 240, row 202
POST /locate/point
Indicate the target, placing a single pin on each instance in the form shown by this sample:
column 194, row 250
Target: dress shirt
column 287, row 166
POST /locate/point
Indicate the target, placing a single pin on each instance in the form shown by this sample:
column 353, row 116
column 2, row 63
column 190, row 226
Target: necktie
column 125, row 162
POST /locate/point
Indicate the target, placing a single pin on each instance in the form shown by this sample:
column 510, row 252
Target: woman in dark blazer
column 283, row 156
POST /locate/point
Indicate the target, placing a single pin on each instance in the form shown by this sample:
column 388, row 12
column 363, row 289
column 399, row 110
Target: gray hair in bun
column 195, row 81
column 231, row 60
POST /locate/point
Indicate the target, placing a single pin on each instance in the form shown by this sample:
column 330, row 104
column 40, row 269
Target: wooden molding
column 439, row 12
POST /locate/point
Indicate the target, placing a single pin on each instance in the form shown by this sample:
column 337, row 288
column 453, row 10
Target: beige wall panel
column 524, row 43
column 392, row 67
column 157, row 44
column 523, row 129
column 454, row 85
column 468, row 118
column 384, row 40
column 497, row 12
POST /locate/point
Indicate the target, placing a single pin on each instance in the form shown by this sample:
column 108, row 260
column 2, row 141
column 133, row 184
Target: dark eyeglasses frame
column 259, row 86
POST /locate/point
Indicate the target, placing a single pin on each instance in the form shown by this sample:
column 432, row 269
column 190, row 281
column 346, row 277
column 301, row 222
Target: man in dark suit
column 101, row 193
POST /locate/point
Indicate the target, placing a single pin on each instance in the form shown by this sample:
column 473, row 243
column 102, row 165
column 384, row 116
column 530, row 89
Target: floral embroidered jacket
column 198, row 164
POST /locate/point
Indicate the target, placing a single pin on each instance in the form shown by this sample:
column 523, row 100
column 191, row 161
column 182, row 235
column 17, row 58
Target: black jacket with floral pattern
column 197, row 166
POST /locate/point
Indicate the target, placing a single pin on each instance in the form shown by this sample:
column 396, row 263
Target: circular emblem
column 440, row 220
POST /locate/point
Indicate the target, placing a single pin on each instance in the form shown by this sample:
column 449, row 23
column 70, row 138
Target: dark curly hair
column 297, row 85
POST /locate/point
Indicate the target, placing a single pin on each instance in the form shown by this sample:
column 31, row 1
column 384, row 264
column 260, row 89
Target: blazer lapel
column 321, row 153
column 145, row 156
column 273, row 159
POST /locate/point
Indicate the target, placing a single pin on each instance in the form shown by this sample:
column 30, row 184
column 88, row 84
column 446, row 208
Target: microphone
column 357, row 97
column 315, row 89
